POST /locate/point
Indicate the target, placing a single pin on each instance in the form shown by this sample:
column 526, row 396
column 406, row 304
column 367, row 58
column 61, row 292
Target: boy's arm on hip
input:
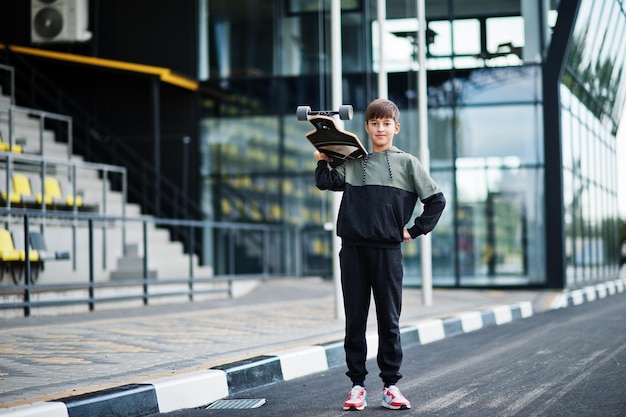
column 426, row 222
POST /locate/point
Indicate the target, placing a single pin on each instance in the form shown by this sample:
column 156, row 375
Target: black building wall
column 114, row 111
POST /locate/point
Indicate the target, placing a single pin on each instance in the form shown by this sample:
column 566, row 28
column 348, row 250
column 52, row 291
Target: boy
column 380, row 194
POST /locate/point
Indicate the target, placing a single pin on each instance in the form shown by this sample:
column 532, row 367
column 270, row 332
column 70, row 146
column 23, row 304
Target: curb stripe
column 588, row 294
column 471, row 321
column 431, row 331
column 190, row 390
column 127, row 400
column 503, row 315
column 526, row 309
column 251, row 373
column 302, row 361
column 452, row 326
column 334, row 353
column 372, row 345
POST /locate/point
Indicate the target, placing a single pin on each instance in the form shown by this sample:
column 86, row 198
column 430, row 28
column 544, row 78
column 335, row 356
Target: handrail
column 55, row 161
column 267, row 261
column 42, row 116
column 41, row 164
column 165, row 74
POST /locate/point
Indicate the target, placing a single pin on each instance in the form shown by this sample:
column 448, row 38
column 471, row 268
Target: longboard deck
column 338, row 144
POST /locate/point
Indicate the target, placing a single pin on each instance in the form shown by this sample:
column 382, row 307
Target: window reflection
column 485, row 125
column 500, row 131
column 498, row 227
column 590, row 209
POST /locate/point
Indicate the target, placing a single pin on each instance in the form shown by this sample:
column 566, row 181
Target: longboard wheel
column 302, row 112
column 345, row 112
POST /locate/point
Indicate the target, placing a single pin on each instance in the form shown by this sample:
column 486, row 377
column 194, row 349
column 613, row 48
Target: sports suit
column 380, row 192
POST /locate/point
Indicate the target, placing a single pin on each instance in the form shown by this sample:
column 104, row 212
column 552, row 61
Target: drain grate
column 236, row 404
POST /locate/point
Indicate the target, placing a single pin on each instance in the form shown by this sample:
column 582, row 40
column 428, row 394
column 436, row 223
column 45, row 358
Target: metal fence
column 106, row 261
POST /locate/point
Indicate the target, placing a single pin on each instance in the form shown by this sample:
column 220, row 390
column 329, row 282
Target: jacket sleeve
column 426, row 222
column 328, row 179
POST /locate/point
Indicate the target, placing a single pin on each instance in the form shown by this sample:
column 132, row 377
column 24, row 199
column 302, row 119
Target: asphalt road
column 569, row 362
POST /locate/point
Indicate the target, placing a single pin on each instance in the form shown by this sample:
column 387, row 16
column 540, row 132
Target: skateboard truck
column 345, row 112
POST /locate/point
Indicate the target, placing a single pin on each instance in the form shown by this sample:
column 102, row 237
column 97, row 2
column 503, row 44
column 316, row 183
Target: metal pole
column 146, row 273
column 92, row 301
column 156, row 131
column 426, row 243
column 105, row 187
column 185, row 179
column 381, row 15
column 191, row 246
column 125, row 201
column 337, row 99
column 27, row 281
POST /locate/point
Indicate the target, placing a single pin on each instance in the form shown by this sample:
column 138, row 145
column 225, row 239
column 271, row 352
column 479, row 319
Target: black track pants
column 366, row 271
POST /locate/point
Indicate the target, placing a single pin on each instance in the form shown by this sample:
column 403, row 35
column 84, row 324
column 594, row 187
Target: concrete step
column 165, row 257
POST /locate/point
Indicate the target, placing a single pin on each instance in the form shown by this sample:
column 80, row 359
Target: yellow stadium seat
column 54, row 195
column 6, row 147
column 14, row 259
column 8, row 253
column 21, row 192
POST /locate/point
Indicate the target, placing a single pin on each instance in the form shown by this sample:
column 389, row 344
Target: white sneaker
column 357, row 399
column 394, row 400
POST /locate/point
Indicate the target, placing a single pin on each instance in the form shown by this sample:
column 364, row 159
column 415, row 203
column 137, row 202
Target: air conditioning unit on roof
column 55, row 21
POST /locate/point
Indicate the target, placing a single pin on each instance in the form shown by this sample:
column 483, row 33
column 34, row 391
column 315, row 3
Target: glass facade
column 592, row 100
column 485, row 116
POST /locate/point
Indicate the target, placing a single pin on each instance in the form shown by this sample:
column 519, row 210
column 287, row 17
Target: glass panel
column 466, row 37
column 617, row 57
column 580, row 56
column 589, row 195
column 505, row 40
column 440, row 50
column 502, row 85
column 312, row 6
column 440, row 138
column 399, row 45
column 440, row 131
column 596, row 59
column 499, row 224
column 566, row 138
column 575, row 141
column 510, row 135
column 570, row 231
column 241, row 39
column 354, row 50
column 443, row 264
column 237, row 155
column 597, row 31
column 443, row 239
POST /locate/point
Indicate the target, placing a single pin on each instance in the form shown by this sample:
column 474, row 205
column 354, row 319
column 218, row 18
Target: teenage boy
column 380, row 192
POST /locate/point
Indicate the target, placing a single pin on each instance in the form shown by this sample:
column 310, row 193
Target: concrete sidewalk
column 168, row 357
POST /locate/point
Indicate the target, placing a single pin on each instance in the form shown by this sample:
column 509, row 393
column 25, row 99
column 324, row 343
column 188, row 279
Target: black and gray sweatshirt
column 380, row 194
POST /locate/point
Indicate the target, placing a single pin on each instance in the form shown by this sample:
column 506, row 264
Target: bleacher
column 40, row 175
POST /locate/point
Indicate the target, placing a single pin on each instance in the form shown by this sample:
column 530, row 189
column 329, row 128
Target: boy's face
column 381, row 133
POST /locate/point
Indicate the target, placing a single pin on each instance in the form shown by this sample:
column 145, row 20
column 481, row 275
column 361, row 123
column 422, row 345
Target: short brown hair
column 382, row 109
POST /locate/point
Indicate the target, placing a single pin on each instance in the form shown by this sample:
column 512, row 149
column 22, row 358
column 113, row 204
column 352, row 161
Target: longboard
column 327, row 138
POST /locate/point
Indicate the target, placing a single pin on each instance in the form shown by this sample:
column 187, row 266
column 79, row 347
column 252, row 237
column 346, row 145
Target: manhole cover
column 236, row 404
